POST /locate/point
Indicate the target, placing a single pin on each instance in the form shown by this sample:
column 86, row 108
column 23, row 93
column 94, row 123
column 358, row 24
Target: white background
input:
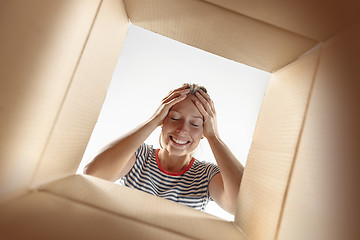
column 151, row 65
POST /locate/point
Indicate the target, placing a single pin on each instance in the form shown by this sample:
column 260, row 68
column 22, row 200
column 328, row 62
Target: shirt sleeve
column 141, row 154
column 212, row 170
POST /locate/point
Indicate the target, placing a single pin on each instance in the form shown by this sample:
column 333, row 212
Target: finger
column 178, row 89
column 208, row 99
column 174, row 94
column 202, row 110
column 174, row 101
column 205, row 103
column 204, row 94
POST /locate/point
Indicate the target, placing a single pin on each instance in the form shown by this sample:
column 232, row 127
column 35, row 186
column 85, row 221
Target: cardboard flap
column 323, row 196
column 317, row 20
column 220, row 31
column 41, row 43
column 45, row 216
column 274, row 146
column 142, row 207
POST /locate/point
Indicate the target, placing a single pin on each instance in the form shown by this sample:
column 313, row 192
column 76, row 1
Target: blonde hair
column 194, row 88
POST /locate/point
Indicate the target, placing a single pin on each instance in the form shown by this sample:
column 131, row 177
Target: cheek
column 167, row 124
column 171, row 128
column 198, row 133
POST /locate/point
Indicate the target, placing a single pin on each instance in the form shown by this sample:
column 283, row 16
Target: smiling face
column 182, row 128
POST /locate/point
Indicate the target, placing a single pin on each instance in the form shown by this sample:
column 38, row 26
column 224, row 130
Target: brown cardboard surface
column 85, row 94
column 323, row 198
column 40, row 45
column 57, row 59
column 219, row 31
column 45, row 216
column 317, row 20
column 143, row 207
column 272, row 153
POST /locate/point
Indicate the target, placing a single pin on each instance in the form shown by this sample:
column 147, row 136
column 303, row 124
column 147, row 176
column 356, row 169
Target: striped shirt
column 189, row 187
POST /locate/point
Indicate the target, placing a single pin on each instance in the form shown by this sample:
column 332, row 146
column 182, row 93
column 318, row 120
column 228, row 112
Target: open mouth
column 179, row 141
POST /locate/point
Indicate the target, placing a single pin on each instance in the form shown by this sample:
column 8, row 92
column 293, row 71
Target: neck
column 173, row 163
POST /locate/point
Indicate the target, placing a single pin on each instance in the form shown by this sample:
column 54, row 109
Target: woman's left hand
column 207, row 110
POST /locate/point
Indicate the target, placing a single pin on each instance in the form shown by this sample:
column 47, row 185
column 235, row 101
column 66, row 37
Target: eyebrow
column 194, row 116
column 198, row 117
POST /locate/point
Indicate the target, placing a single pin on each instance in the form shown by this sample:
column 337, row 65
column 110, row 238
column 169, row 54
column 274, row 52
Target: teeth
column 179, row 141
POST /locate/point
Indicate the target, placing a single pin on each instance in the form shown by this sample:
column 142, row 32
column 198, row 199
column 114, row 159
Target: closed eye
column 195, row 125
column 175, row 119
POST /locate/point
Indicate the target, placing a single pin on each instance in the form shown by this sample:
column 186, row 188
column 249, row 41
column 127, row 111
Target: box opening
column 149, row 66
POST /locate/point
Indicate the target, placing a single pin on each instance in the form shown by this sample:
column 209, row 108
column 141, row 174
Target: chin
column 173, row 150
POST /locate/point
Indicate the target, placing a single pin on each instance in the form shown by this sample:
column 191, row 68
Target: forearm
column 112, row 160
column 230, row 167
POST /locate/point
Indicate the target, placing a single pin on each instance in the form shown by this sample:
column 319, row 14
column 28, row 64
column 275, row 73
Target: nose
column 182, row 128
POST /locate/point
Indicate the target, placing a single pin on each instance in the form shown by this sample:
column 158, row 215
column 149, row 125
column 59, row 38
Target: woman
column 186, row 115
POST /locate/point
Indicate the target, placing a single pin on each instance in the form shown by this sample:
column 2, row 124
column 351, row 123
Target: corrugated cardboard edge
column 81, row 107
column 129, row 203
column 41, row 43
column 272, row 153
column 325, row 203
column 220, row 31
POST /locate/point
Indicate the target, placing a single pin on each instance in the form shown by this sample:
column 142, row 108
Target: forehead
column 187, row 106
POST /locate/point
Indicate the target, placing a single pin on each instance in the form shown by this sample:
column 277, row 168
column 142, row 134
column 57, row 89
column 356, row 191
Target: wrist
column 213, row 137
column 154, row 122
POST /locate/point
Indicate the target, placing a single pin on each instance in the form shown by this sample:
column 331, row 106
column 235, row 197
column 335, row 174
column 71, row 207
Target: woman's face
column 182, row 128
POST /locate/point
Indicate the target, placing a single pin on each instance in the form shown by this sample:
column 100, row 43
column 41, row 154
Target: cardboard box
column 57, row 61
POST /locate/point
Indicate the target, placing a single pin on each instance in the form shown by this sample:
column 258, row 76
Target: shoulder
column 207, row 168
column 144, row 150
column 204, row 164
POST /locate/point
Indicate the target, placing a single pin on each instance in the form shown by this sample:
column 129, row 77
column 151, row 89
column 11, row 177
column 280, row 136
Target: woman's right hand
column 170, row 100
